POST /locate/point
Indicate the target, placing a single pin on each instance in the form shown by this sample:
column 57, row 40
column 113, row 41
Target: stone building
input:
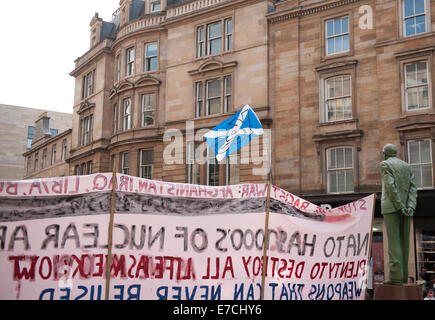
column 335, row 80
column 17, row 131
column 347, row 77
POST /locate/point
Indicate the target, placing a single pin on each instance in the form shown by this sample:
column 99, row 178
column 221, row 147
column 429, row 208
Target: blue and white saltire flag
column 234, row 133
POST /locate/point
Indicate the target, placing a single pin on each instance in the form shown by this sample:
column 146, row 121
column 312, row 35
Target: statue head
column 389, row 150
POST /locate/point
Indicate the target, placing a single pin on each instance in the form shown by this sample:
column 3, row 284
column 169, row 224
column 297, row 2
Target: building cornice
column 305, row 10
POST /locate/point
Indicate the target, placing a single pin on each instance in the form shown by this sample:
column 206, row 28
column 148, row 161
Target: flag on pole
column 234, row 133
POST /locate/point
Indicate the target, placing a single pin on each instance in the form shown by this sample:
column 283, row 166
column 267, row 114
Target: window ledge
column 338, row 122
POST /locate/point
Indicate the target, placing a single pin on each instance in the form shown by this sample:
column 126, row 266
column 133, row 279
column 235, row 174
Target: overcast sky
column 39, row 41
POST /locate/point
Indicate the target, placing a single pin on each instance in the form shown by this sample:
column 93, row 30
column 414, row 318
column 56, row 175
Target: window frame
column 408, row 150
column 327, row 99
column 142, row 166
column 154, row 108
column 64, row 149
column 53, row 154
column 88, row 84
column 427, row 20
column 202, row 101
column 408, row 58
column 127, row 116
column 129, row 65
column 147, row 57
column 336, row 35
column 344, row 168
column 86, row 129
column 152, row 2
column 324, row 56
column 203, row 44
column 123, row 162
column 406, row 88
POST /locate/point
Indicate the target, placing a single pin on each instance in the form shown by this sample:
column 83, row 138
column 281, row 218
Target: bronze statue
column 398, row 203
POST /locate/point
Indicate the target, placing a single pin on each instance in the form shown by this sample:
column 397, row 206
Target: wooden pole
column 370, row 246
column 266, row 240
column 110, row 236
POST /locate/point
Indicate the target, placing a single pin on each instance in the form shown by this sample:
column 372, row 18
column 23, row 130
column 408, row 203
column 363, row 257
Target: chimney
column 42, row 128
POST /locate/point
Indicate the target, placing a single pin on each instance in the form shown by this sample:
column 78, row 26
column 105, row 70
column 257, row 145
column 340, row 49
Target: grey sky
column 39, row 42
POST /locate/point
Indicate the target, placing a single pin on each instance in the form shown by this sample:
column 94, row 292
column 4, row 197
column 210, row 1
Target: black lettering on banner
column 126, row 236
column 204, row 242
column 218, row 242
column 74, row 235
column 52, row 233
column 23, row 237
column 133, row 244
column 3, row 230
column 95, row 234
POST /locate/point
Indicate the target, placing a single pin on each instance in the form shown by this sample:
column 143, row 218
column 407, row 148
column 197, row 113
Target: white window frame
column 155, row 6
column 327, row 99
column 204, row 40
column 338, row 169
column 420, row 164
column 126, row 117
column 336, row 35
column 143, row 166
column 44, row 158
column 53, row 154
column 426, row 13
column 125, row 167
column 211, row 161
column 209, row 98
column 150, row 110
column 64, row 149
column 417, row 85
column 129, row 70
column 148, row 57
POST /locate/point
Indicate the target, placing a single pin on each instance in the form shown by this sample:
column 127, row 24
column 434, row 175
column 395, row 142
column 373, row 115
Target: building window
column 118, row 68
column 414, row 17
column 44, row 158
column 199, row 100
column 155, row 6
column 228, row 34
column 217, row 93
column 148, row 109
column 193, row 167
column 86, row 130
column 338, row 98
column 420, row 159
column 35, row 166
column 151, row 54
column 64, row 149
column 130, row 62
column 337, row 35
column 30, row 136
column 416, row 86
column 146, row 164
column 340, row 170
column 215, row 37
column 212, row 169
column 115, row 118
column 29, row 165
column 88, row 87
column 125, row 162
column 54, row 132
column 89, row 167
column 126, row 114
column 53, row 154
column 227, row 93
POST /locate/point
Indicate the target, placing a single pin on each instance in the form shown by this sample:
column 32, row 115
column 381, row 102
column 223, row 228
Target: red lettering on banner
column 12, row 186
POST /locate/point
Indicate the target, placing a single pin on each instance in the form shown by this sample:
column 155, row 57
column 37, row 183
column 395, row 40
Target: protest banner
column 175, row 241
